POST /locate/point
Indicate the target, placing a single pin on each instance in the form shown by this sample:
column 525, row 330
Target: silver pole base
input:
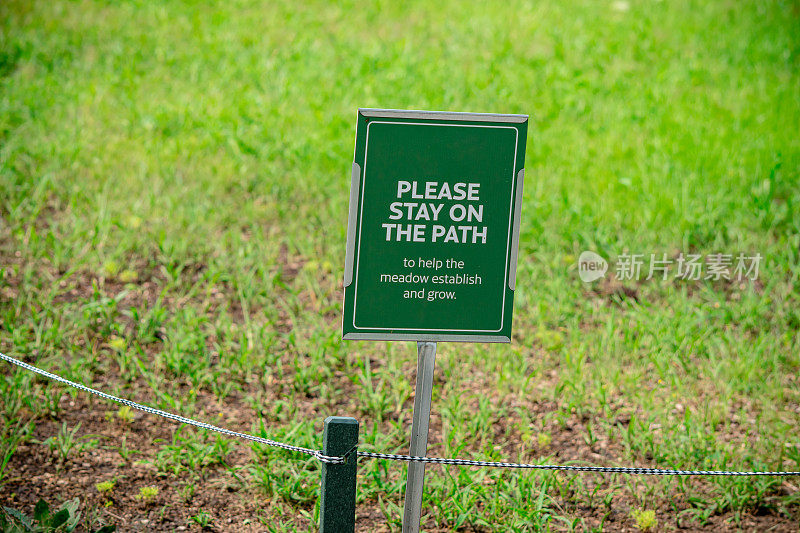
column 426, row 357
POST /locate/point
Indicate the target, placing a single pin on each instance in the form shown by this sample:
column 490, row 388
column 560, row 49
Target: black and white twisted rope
column 388, row 456
column 177, row 418
column 573, row 468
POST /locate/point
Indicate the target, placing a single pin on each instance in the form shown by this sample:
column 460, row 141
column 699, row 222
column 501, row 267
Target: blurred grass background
column 173, row 190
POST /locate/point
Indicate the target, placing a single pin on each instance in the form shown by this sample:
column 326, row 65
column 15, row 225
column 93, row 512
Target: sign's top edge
column 442, row 115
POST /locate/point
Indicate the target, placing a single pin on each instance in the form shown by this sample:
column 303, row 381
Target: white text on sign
column 430, row 211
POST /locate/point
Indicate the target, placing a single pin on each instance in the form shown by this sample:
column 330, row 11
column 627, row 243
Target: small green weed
column 544, row 439
column 105, row 487
column 125, row 414
column 66, row 442
column 645, row 519
column 117, row 343
column 123, row 449
column 128, row 276
column 202, row 519
column 147, row 494
column 110, row 268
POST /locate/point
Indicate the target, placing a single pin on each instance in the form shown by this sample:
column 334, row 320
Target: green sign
column 434, row 226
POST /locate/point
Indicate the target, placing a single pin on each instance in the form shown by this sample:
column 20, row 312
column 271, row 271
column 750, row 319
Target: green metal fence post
column 338, row 507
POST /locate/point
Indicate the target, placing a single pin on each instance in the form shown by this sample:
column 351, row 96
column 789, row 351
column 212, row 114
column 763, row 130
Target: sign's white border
column 508, row 238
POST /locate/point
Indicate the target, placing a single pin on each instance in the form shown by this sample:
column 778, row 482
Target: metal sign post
column 432, row 241
column 426, row 356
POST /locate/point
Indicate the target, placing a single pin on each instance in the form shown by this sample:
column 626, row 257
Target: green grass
column 173, row 191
